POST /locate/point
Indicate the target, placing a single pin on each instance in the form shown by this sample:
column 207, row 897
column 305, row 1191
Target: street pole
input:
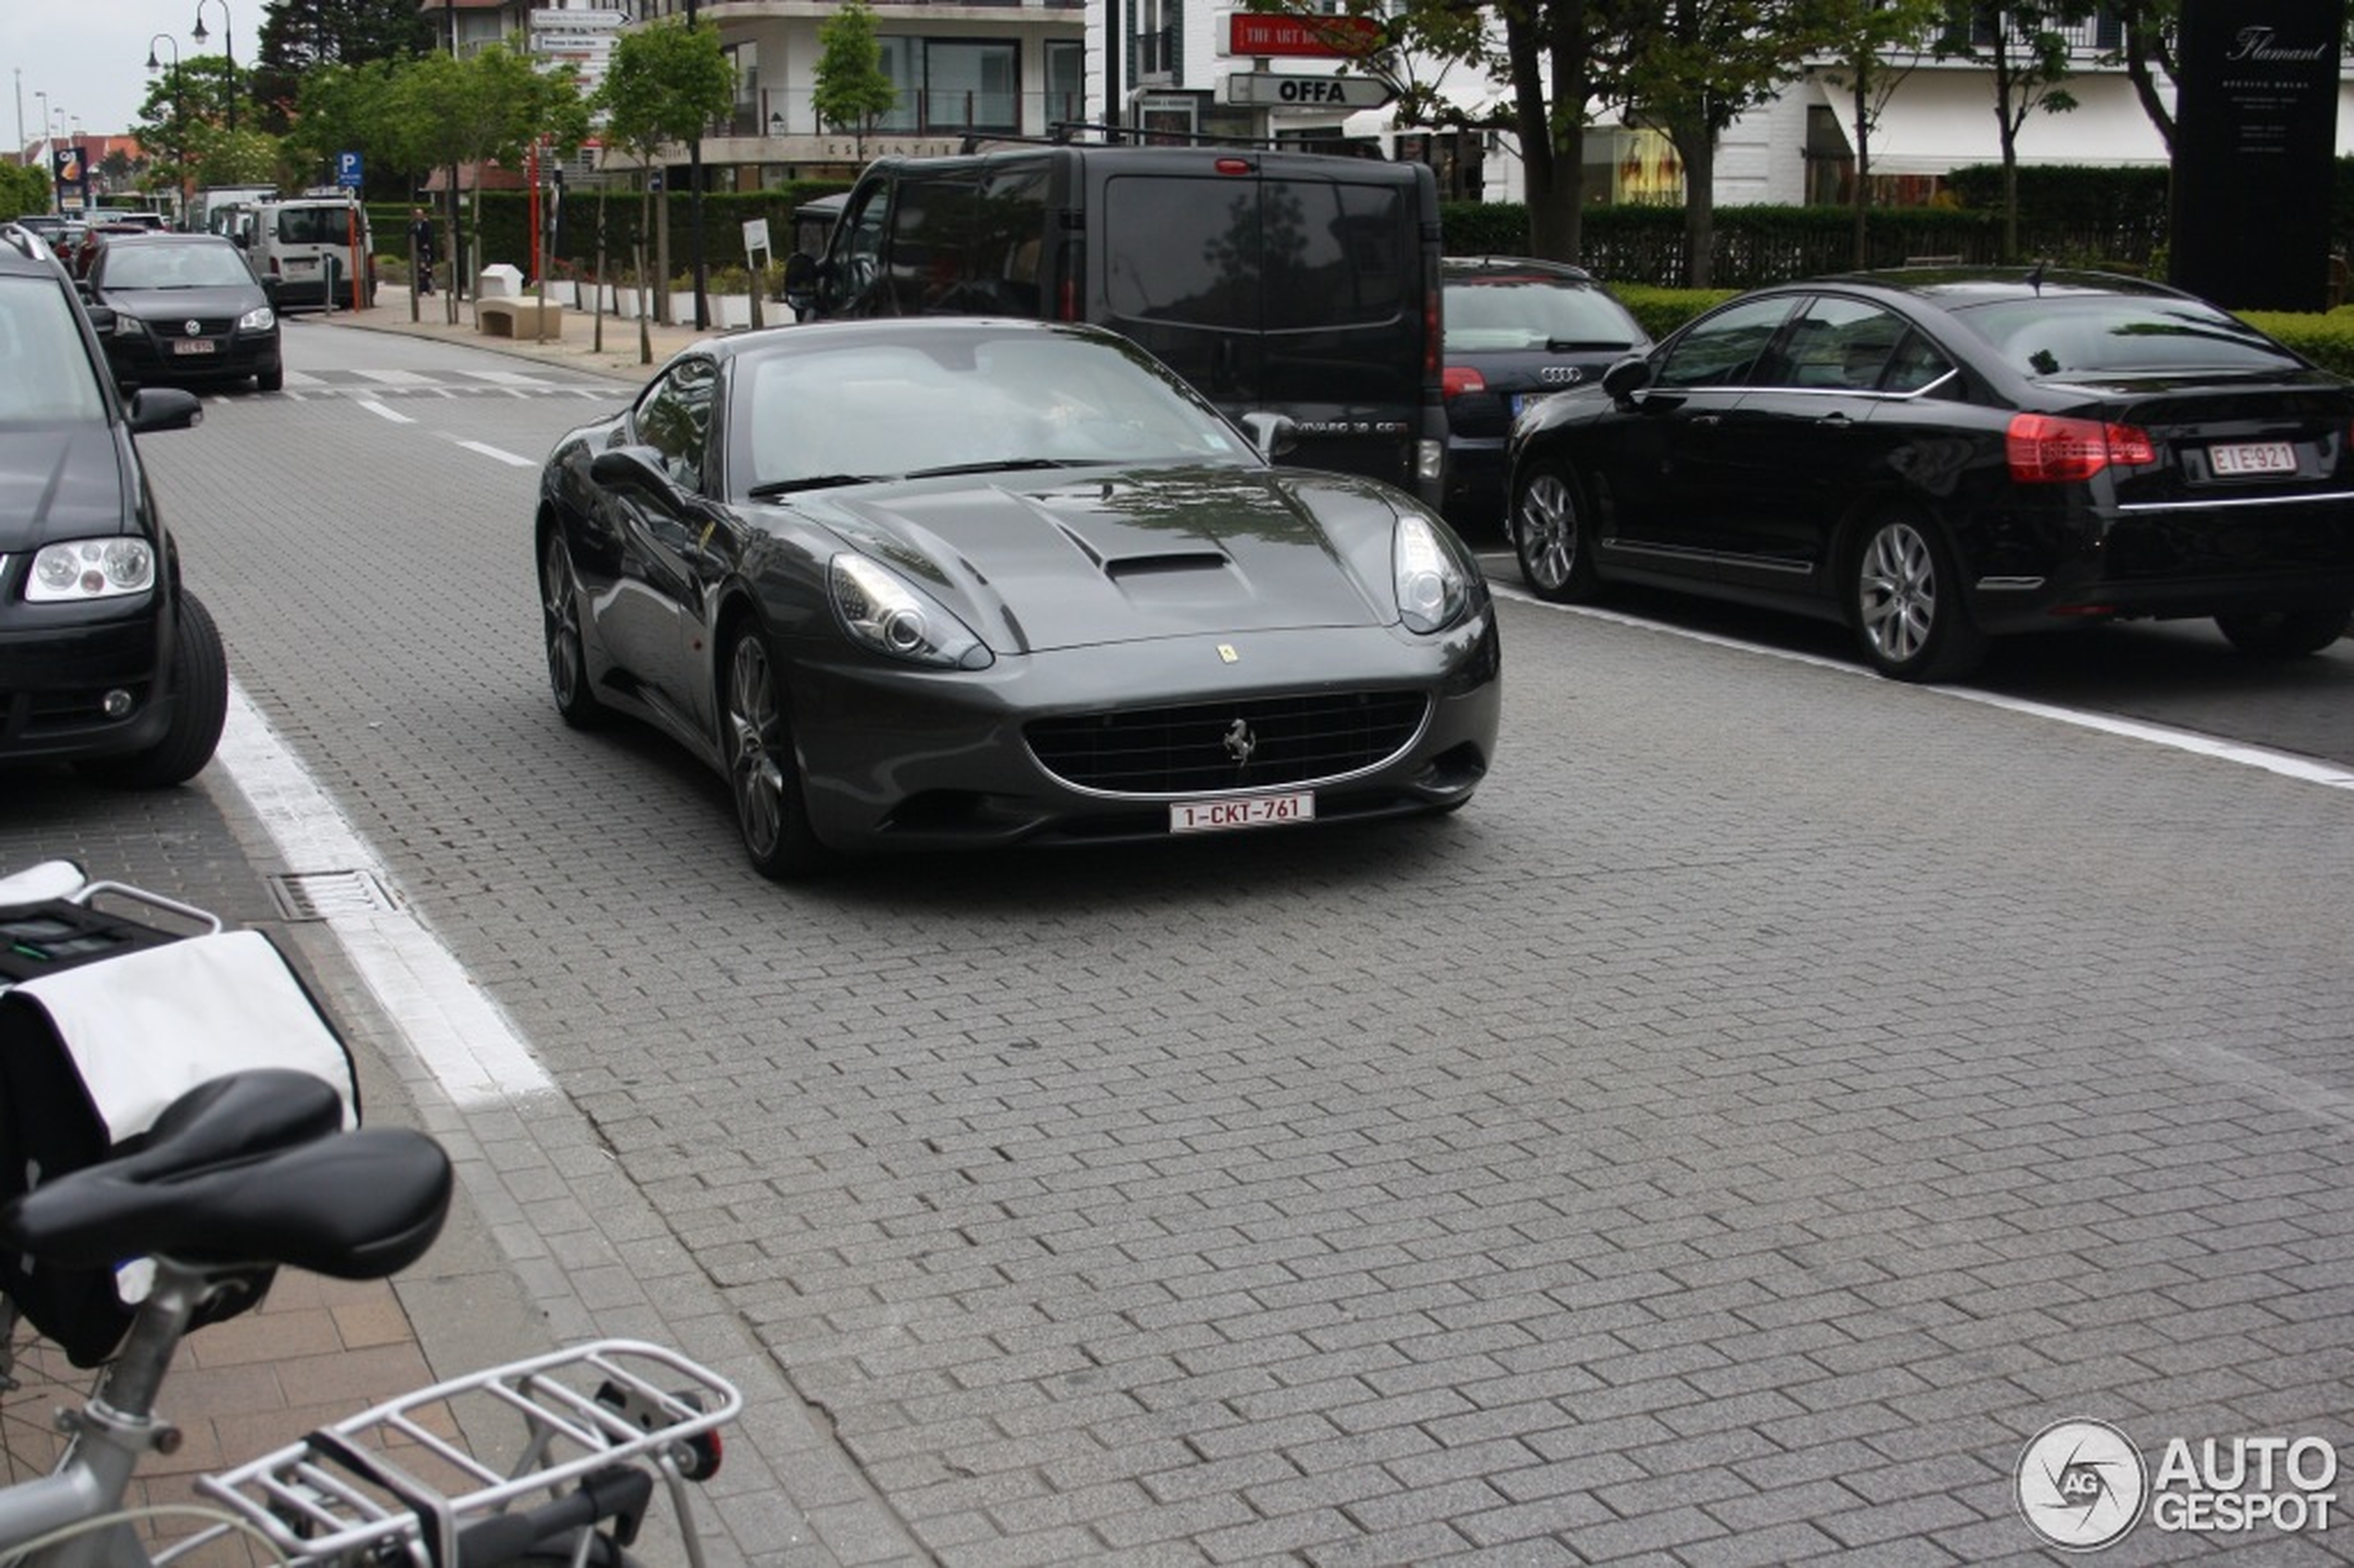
column 694, row 212
column 179, row 124
column 457, row 251
column 228, row 51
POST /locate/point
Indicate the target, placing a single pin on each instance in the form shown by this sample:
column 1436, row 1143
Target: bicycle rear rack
column 396, row 1475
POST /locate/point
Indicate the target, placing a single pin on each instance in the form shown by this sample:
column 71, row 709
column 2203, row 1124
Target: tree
column 2023, row 44
column 1878, row 43
column 851, row 89
column 301, row 37
column 346, row 108
column 663, row 84
column 25, row 188
column 1693, row 67
column 489, row 107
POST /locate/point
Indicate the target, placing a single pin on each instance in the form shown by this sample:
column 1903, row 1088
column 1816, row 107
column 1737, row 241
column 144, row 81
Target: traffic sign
column 348, row 170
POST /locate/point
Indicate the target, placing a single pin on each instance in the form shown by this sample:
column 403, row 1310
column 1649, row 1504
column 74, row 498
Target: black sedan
column 183, row 308
column 1516, row 330
column 924, row 583
column 1935, row 456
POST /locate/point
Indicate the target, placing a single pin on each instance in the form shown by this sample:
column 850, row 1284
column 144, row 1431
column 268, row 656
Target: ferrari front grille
column 1204, row 746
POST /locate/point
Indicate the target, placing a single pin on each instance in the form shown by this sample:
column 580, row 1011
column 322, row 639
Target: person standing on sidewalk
column 421, row 243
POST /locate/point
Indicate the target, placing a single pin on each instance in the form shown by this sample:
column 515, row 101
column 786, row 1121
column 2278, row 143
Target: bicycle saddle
column 246, row 1170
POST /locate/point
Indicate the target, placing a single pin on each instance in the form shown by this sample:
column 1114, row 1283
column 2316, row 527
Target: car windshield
column 816, row 415
column 2122, row 334
column 1529, row 313
column 46, row 375
column 175, row 266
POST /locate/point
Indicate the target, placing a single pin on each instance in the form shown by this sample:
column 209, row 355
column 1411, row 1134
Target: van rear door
column 1272, row 283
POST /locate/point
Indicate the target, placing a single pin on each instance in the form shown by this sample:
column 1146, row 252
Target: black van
column 1295, row 283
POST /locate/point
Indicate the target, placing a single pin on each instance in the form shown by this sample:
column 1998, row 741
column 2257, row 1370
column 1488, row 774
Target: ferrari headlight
column 91, row 569
column 1432, row 589
column 892, row 617
column 259, row 319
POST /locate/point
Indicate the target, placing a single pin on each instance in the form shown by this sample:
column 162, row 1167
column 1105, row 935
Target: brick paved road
column 1778, row 1097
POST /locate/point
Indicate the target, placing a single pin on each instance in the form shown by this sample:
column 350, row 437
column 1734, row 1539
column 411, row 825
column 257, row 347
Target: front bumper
column 145, row 358
column 918, row 759
column 58, row 662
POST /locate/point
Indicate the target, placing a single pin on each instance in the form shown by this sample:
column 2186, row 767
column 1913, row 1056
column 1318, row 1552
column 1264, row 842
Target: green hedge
column 506, row 225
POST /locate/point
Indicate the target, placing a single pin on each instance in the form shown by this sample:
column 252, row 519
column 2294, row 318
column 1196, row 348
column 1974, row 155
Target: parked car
column 185, row 307
column 1274, row 281
column 311, row 245
column 109, row 662
column 939, row 583
column 1516, row 330
column 1938, row 456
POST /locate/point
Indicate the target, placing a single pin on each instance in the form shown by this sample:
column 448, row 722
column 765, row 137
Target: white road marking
column 2305, row 770
column 383, row 412
column 452, row 1024
column 508, row 458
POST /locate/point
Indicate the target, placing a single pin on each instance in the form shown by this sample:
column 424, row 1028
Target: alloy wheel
column 1897, row 593
column 559, row 604
column 1546, row 533
column 756, row 773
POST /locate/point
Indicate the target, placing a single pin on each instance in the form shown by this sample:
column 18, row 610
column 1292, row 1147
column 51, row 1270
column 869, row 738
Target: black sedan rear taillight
column 2045, row 450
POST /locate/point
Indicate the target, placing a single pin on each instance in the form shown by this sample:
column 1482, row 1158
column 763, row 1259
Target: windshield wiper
column 995, row 465
column 811, row 482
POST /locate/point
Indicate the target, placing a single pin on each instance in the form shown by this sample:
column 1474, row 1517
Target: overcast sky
column 91, row 55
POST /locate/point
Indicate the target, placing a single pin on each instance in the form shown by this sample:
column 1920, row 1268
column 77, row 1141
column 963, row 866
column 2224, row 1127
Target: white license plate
column 2253, row 457
column 1243, row 811
column 300, row 263
column 192, row 345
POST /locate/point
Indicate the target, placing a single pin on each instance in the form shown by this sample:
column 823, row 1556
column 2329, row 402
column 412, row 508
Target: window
column 676, row 417
column 1066, row 80
column 953, row 84
column 1720, row 351
column 45, row 370
column 744, row 119
column 1838, row 344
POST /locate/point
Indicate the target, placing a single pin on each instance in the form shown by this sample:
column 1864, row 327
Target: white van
column 306, row 241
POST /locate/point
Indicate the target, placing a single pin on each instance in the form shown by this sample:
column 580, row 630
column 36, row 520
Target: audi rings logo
column 1561, row 376
column 2080, row 1485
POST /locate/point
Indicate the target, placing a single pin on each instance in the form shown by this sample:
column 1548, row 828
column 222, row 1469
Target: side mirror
column 1271, row 434
column 801, row 272
column 1625, row 378
column 164, row 408
column 621, row 468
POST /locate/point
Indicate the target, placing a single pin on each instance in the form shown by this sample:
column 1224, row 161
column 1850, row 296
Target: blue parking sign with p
column 347, row 168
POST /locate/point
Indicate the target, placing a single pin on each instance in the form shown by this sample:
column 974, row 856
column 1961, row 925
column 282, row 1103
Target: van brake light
column 1461, row 379
column 2047, row 450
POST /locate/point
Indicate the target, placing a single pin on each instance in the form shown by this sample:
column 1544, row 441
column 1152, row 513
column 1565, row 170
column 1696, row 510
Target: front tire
column 764, row 774
column 271, row 380
column 1551, row 537
column 560, row 622
column 200, row 698
column 2285, row 633
column 1909, row 618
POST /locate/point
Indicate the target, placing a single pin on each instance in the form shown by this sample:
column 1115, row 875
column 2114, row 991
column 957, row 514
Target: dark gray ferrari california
column 924, row 583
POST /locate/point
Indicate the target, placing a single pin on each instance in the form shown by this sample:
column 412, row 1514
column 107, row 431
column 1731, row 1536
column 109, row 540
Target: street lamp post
column 228, row 49
column 179, row 145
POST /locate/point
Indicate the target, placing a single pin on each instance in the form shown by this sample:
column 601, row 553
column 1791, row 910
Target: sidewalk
column 574, row 341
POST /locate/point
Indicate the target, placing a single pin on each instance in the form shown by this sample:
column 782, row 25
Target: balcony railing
column 790, row 113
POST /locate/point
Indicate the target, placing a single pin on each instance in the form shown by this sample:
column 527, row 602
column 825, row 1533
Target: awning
column 1938, row 120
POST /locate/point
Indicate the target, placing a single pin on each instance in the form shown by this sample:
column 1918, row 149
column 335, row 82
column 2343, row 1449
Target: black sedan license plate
column 1242, row 811
column 192, row 345
column 2253, row 457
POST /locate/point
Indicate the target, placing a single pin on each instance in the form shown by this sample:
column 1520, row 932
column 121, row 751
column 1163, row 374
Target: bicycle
column 256, row 1170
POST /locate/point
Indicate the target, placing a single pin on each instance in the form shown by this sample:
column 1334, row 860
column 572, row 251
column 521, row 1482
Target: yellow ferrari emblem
column 1226, row 652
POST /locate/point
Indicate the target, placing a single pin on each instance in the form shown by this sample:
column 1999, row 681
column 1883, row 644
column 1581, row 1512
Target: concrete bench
column 519, row 318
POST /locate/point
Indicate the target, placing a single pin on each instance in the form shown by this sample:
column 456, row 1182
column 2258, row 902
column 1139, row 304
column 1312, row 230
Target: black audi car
column 1516, row 330
column 1939, row 456
column 182, row 309
column 107, row 659
column 960, row 582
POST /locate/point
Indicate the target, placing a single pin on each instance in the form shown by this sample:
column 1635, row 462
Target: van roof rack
column 1070, row 133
